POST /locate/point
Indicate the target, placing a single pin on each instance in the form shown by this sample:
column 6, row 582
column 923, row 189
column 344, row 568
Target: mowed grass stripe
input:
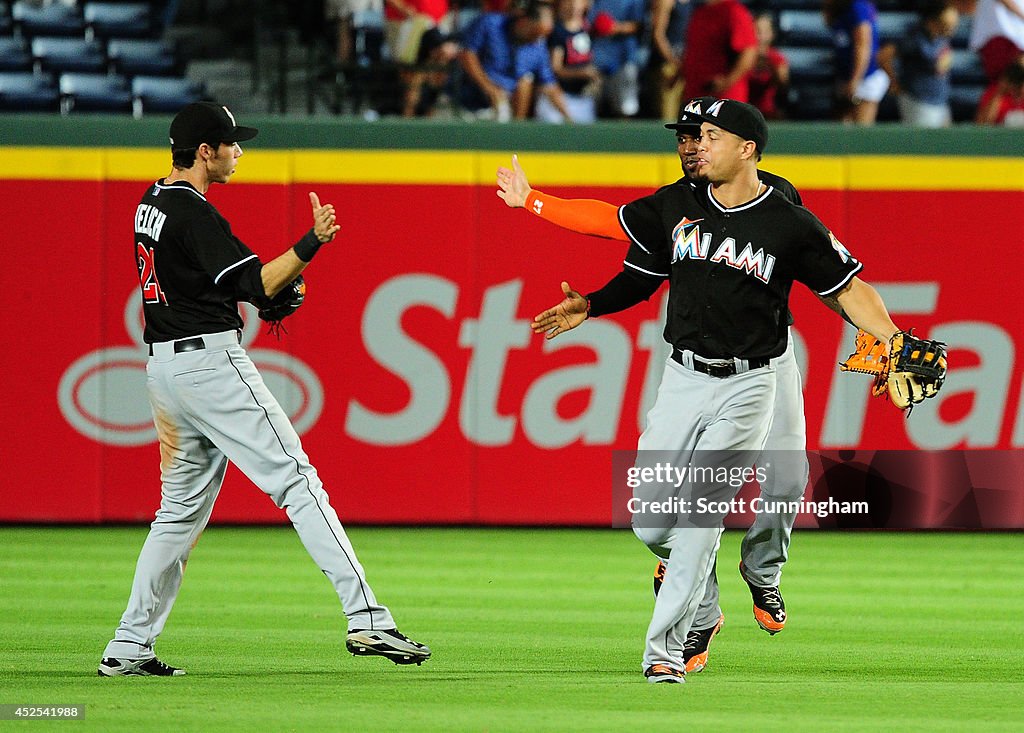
column 531, row 629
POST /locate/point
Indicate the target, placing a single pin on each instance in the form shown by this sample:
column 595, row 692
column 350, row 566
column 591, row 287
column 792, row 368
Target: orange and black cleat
column 769, row 608
column 695, row 651
column 664, row 673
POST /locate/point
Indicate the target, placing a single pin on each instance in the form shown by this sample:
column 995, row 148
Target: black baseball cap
column 739, row 118
column 689, row 119
column 206, row 122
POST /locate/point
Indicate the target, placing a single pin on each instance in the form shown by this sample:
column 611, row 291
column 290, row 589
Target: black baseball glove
column 282, row 305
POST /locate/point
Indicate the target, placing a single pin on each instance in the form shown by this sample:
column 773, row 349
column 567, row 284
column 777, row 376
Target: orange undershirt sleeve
column 586, row 216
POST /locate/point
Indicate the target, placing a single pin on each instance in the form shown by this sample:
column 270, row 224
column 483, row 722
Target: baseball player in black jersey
column 731, row 249
column 209, row 402
column 764, row 549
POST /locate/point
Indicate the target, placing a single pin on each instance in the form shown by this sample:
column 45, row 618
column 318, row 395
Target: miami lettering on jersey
column 689, row 243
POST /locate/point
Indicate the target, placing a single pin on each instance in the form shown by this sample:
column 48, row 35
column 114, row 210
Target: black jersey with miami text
column 193, row 271
column 730, row 270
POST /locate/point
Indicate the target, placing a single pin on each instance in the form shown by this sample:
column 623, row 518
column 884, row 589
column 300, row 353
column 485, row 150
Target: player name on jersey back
column 149, row 220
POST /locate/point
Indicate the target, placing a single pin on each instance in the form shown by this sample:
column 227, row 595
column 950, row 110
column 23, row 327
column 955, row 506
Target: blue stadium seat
column 23, row 91
column 967, row 69
column 163, row 94
column 14, row 55
column 125, row 20
column 963, row 102
column 811, row 102
column 94, row 93
column 803, row 28
column 67, row 54
column 894, row 25
column 810, row 63
column 5, row 19
column 145, row 57
column 56, row 19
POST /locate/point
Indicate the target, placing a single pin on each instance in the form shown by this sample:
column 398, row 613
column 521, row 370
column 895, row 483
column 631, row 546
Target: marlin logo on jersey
column 689, row 243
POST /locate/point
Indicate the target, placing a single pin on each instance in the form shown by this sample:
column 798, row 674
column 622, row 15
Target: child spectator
column 861, row 82
column 771, row 70
column 1003, row 102
column 615, row 26
column 923, row 59
column 572, row 60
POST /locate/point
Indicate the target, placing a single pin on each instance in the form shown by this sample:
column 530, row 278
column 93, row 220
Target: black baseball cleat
column 769, row 608
column 152, row 667
column 659, row 576
column 664, row 673
column 695, row 650
column 390, row 643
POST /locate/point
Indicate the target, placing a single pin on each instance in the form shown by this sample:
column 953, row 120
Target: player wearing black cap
column 209, row 402
column 730, row 249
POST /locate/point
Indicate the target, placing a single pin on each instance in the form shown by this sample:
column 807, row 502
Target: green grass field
column 531, row 630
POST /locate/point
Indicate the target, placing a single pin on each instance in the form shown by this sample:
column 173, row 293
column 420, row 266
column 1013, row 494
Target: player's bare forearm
column 866, row 309
column 280, row 271
column 565, row 316
column 832, row 303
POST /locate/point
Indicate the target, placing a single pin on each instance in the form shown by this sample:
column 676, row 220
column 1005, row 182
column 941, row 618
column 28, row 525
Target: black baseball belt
column 718, row 368
column 197, row 343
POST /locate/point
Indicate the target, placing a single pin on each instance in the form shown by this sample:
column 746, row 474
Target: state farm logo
column 103, row 394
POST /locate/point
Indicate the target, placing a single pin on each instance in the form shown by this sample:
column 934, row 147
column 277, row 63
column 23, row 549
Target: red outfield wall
column 411, row 371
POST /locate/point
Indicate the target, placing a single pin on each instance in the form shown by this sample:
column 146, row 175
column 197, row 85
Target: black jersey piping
column 309, row 490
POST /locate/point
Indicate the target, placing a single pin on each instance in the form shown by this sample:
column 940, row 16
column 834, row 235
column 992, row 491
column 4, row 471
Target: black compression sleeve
column 623, row 291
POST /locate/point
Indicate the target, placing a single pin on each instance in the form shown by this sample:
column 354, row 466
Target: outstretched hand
column 324, row 219
column 565, row 316
column 513, row 188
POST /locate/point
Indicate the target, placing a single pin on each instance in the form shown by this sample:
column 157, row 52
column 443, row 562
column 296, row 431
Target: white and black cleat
column 390, row 643
column 152, row 667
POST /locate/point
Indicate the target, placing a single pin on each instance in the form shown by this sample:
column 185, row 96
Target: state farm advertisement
column 414, row 379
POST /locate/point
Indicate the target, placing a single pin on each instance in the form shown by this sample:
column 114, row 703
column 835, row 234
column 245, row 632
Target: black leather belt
column 192, row 344
column 718, row 368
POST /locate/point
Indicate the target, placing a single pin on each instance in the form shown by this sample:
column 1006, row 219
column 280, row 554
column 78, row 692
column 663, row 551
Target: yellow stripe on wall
column 439, row 167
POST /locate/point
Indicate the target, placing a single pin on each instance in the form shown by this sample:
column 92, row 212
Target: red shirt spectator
column 721, row 47
column 1003, row 101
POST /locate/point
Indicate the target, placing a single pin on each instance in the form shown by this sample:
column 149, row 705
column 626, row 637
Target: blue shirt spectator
column 925, row 66
column 843, row 27
column 504, row 60
column 613, row 51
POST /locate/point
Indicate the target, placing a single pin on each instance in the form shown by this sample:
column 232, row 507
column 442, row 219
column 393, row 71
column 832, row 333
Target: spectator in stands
column 721, row 49
column 919, row 66
column 1003, row 102
column 427, row 82
column 505, row 57
column 341, row 14
column 861, row 82
column 572, row 60
column 616, row 28
column 997, row 34
column 669, row 20
column 405, row 22
column 770, row 77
